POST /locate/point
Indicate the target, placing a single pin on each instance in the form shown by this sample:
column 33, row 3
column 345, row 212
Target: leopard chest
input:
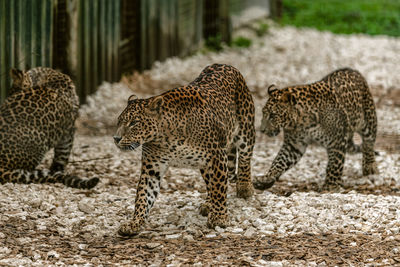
column 186, row 156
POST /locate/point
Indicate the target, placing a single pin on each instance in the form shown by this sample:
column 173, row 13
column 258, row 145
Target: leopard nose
column 117, row 138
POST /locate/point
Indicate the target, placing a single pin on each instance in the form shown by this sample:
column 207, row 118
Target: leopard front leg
column 147, row 191
column 368, row 134
column 245, row 145
column 215, row 176
column 290, row 153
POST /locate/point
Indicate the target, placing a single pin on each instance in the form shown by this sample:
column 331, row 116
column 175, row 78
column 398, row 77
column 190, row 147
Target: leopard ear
column 288, row 97
column 272, row 88
column 17, row 76
column 155, row 104
column 132, row 97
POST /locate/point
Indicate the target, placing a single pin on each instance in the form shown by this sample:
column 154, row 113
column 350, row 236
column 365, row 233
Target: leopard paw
column 130, row 228
column 370, row 169
column 244, row 190
column 331, row 186
column 232, row 178
column 263, row 182
column 220, row 220
column 205, row 208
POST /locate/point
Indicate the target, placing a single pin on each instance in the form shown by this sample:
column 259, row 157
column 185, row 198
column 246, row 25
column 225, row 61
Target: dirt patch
column 388, row 142
column 282, row 188
column 331, row 249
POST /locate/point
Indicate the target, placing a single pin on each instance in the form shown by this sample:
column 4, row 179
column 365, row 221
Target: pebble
column 85, row 207
column 212, row 235
column 53, row 254
column 236, row 230
column 152, row 245
column 173, row 236
column 249, row 232
column 188, row 238
column 219, row 229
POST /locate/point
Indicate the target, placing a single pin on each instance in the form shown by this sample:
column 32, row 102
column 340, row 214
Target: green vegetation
column 262, row 29
column 241, row 41
column 214, row 43
column 340, row 16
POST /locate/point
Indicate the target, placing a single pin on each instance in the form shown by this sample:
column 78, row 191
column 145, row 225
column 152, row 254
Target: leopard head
column 279, row 111
column 21, row 80
column 139, row 123
column 35, row 77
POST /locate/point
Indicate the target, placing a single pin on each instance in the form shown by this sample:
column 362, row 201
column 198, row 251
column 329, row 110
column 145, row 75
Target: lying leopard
column 327, row 112
column 38, row 115
column 208, row 125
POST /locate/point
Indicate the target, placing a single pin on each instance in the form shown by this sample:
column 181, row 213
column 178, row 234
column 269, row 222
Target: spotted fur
column 208, row 125
column 327, row 112
column 38, row 115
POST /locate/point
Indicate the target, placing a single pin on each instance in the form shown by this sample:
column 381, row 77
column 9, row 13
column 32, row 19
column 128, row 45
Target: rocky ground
column 290, row 224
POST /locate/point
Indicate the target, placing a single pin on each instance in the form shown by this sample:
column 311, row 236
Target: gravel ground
column 290, row 224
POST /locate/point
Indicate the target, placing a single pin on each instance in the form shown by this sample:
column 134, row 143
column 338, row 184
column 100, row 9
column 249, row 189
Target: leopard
column 206, row 125
column 38, row 115
column 327, row 113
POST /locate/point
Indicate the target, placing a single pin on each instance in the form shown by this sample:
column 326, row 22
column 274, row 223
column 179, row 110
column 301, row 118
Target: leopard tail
column 44, row 176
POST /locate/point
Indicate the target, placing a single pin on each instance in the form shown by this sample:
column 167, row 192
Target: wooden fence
column 99, row 40
column 25, row 36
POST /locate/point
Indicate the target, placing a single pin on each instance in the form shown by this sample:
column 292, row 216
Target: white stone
column 249, row 232
column 173, row 236
column 152, row 245
column 236, row 230
column 187, row 237
column 53, row 253
column 85, row 207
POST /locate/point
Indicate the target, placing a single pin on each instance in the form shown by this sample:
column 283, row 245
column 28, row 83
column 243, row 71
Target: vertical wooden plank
column 32, row 27
column 89, row 47
column 143, row 33
column 3, row 63
column 174, row 26
column 107, row 32
column 88, row 44
column 116, row 38
column 164, row 33
column 13, row 13
column 21, row 35
column 199, row 25
column 47, row 32
column 80, row 64
column 94, row 44
column 28, row 53
column 110, row 46
column 130, row 36
column 7, row 47
column 103, row 40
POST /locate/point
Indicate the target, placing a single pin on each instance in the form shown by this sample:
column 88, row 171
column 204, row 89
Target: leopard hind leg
column 368, row 135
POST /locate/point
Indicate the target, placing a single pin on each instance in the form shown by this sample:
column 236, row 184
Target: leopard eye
column 132, row 123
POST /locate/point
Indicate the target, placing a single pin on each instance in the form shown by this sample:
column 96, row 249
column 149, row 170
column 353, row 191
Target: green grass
column 344, row 16
column 241, row 41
